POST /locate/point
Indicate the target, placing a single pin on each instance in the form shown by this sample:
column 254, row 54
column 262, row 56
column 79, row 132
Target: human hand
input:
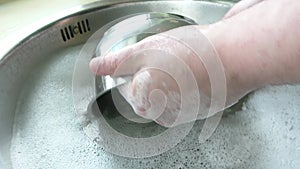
column 255, row 50
column 167, row 68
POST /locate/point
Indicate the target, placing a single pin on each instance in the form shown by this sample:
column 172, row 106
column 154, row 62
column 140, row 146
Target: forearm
column 260, row 52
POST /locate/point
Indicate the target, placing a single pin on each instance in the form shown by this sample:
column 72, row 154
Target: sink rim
column 41, row 25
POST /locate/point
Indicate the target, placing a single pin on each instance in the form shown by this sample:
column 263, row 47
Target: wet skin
column 257, row 42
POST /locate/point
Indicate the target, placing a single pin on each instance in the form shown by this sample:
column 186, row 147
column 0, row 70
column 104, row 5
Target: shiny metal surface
column 78, row 10
column 262, row 136
column 64, row 31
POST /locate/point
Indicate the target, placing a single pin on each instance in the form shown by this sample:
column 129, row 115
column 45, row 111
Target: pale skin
column 257, row 42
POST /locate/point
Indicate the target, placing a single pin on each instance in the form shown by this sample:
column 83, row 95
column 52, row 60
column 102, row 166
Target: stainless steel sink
column 237, row 144
column 74, row 28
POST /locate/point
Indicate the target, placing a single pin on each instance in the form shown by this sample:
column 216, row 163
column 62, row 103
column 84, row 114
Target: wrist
column 239, row 68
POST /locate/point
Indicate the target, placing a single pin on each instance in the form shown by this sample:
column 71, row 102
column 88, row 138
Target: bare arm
column 260, row 45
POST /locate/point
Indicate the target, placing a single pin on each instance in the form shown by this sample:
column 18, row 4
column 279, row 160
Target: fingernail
column 141, row 111
column 94, row 65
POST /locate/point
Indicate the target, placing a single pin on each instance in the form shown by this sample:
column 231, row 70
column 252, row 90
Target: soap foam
column 47, row 133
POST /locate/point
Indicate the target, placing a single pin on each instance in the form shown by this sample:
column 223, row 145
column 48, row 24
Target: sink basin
column 39, row 127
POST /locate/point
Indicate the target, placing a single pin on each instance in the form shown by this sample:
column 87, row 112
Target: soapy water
column 48, row 134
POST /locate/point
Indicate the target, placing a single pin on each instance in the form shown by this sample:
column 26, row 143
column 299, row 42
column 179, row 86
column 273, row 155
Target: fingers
column 108, row 64
column 241, row 6
column 130, row 59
